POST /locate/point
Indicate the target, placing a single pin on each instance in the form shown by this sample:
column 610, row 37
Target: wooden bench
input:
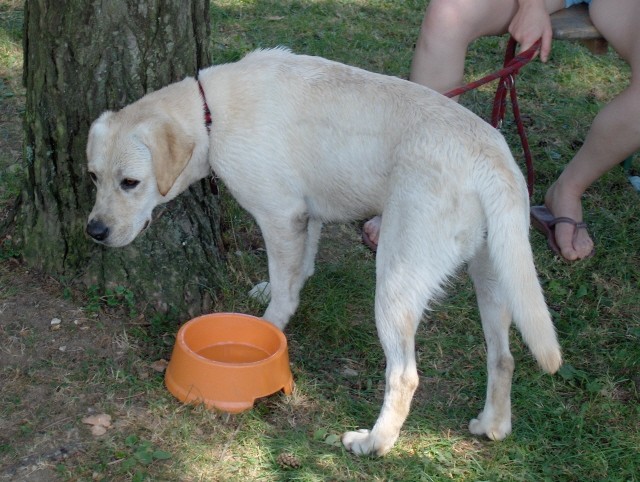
column 574, row 23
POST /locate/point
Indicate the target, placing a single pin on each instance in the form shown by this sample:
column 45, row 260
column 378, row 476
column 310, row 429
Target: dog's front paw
column 493, row 429
column 261, row 292
column 364, row 442
column 358, row 442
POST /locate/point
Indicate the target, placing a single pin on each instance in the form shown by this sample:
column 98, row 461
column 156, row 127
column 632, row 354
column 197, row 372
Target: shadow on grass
column 579, row 425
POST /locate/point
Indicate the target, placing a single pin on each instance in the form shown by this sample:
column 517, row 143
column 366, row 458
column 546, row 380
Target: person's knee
column 447, row 19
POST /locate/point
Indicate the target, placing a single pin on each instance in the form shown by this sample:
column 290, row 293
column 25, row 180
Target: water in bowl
column 234, row 353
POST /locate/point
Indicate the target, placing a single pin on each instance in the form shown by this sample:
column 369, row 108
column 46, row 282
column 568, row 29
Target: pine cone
column 287, row 460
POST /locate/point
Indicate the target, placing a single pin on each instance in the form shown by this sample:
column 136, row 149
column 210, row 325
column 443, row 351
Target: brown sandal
column 543, row 220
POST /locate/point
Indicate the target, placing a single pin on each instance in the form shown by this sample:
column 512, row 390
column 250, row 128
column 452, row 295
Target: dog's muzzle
column 97, row 230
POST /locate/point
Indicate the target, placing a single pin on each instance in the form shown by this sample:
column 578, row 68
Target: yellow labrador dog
column 300, row 141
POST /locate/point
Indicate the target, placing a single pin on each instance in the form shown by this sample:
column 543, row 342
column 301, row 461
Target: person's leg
column 448, row 27
column 614, row 134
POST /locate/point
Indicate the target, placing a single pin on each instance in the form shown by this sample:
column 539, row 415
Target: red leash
column 507, row 75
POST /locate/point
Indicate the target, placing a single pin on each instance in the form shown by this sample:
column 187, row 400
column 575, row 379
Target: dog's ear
column 171, row 151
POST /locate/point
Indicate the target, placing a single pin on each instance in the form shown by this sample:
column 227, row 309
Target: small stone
column 159, row 365
column 349, row 372
column 98, row 430
column 103, row 419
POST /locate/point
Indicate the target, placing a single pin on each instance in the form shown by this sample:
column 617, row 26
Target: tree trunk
column 81, row 58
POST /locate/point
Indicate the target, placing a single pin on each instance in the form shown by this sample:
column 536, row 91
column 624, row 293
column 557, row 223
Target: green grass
column 11, row 174
column 581, row 424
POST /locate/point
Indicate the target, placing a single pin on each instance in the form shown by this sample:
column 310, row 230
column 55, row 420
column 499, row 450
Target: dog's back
column 335, row 125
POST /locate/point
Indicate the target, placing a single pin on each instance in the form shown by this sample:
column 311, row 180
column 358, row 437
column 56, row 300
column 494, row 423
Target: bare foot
column 372, row 231
column 573, row 244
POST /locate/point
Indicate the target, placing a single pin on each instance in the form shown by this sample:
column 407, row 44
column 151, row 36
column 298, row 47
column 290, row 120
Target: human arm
column 530, row 23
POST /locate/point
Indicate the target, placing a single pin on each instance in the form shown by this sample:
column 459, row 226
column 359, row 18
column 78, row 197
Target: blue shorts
column 568, row 3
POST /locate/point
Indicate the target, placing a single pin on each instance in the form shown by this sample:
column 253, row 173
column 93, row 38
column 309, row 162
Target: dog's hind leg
column 291, row 243
column 408, row 278
column 495, row 419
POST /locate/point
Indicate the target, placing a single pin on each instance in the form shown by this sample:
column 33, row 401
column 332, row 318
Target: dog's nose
column 97, row 230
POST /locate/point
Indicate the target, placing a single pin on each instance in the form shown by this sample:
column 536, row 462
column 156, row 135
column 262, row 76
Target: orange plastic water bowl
column 228, row 360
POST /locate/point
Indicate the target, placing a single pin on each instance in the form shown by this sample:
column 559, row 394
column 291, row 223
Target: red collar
column 207, row 112
column 207, row 123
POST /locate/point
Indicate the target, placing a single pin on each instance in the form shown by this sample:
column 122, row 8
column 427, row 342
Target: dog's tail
column 504, row 198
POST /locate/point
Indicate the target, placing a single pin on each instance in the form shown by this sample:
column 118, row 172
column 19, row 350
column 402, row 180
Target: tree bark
column 81, row 58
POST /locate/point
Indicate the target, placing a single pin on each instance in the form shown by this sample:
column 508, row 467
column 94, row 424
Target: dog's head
column 134, row 158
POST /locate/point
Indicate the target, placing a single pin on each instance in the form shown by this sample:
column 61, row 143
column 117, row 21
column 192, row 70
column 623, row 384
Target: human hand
column 531, row 23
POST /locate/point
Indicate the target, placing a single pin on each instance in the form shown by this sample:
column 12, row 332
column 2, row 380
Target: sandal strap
column 576, row 225
column 563, row 219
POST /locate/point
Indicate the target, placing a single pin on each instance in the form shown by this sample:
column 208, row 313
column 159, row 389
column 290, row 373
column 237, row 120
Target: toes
column 493, row 431
column 357, row 442
column 364, row 442
column 573, row 244
column 564, row 238
column 475, row 427
column 496, row 435
column 583, row 244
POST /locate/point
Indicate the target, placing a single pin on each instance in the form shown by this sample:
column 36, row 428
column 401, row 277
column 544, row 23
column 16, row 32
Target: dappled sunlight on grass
column 10, row 38
column 580, row 424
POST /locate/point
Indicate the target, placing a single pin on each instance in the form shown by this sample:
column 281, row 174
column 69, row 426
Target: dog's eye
column 93, row 177
column 127, row 184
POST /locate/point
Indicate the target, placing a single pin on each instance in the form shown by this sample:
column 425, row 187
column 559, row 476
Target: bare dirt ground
column 41, row 424
column 44, row 338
